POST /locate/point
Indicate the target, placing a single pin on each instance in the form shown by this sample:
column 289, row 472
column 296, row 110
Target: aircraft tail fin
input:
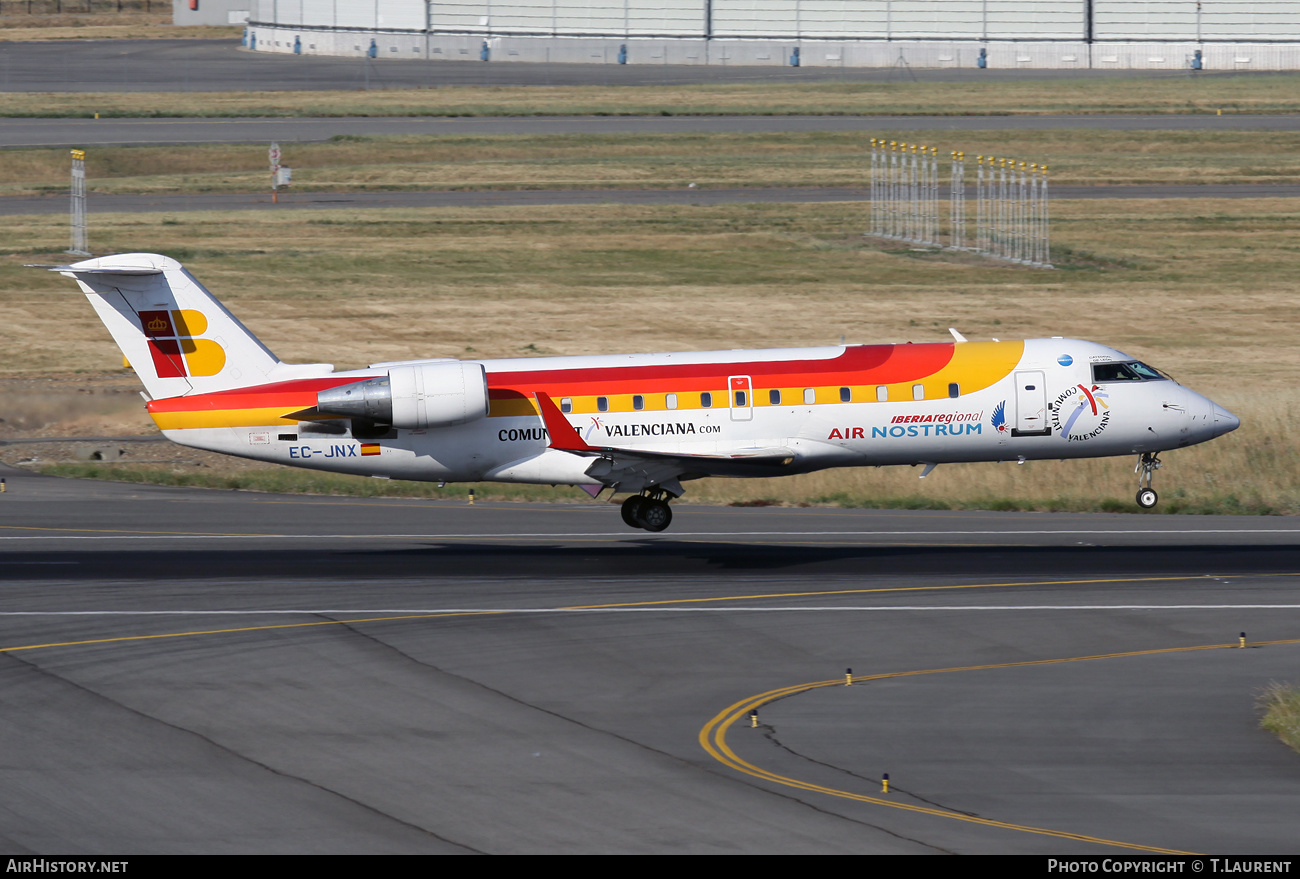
column 175, row 334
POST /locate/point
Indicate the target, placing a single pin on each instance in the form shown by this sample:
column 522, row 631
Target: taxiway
column 206, row 671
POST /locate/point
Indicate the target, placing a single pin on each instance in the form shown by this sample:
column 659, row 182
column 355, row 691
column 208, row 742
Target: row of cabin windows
column 773, row 398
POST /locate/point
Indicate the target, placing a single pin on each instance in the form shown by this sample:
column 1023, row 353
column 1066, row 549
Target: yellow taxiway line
column 713, row 739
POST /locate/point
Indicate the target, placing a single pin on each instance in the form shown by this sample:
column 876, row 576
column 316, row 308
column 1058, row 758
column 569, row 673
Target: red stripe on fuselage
column 296, row 394
column 864, row 364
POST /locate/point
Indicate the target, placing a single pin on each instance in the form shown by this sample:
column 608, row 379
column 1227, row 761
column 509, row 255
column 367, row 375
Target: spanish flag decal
column 370, row 448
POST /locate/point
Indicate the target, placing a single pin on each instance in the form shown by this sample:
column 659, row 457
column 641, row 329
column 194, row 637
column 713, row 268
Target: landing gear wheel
column 631, row 511
column 655, row 515
column 1148, row 464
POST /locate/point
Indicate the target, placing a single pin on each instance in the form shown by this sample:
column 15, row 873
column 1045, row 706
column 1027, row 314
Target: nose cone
column 1223, row 420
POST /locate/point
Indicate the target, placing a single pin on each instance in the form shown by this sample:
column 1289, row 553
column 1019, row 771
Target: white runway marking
column 1119, row 531
column 435, row 611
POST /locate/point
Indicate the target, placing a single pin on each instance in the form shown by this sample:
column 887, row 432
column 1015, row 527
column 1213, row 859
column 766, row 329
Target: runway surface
column 220, row 65
column 206, row 671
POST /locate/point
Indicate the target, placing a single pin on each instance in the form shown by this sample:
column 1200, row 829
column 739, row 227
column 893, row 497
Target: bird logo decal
column 999, row 419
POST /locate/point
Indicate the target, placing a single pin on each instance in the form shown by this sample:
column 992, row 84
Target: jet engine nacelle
column 414, row 397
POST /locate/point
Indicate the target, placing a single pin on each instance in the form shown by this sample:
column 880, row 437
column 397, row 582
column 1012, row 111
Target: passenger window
column 602, row 403
column 774, row 397
column 918, row 392
column 954, row 390
column 740, row 398
column 638, row 402
column 566, row 404
column 671, row 401
column 809, row 396
column 846, row 395
column 882, row 393
column 706, row 400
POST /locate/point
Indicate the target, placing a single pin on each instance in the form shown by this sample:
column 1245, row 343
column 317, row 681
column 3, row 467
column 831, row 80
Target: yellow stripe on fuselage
column 974, row 366
column 270, row 417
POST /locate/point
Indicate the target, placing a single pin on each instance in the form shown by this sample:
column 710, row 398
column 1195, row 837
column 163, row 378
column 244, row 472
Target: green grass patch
column 1281, row 706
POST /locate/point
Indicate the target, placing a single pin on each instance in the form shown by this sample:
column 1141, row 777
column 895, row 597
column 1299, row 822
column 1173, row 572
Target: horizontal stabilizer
column 73, row 270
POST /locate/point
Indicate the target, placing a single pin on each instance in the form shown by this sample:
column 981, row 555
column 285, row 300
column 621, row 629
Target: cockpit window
column 1133, row 371
column 1149, row 373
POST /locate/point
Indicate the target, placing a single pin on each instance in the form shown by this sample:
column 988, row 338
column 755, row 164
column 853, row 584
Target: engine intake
column 414, row 397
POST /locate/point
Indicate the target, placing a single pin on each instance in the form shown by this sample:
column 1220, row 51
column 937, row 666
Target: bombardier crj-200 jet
column 641, row 424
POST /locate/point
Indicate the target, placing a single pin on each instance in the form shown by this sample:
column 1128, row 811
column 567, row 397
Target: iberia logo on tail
column 174, row 346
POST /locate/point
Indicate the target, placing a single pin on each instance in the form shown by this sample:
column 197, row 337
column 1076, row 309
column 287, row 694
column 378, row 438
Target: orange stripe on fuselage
column 869, row 364
column 972, row 365
column 259, row 406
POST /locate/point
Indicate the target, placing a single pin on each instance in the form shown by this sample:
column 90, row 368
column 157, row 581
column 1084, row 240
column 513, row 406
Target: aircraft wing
column 632, row 469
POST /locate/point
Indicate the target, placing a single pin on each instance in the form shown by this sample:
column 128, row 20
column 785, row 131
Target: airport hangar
column 1217, row 35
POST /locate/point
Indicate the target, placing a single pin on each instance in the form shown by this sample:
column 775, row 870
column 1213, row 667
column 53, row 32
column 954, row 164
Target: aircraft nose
column 1224, row 421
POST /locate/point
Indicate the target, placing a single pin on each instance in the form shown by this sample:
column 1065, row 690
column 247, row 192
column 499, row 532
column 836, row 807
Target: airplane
column 640, row 424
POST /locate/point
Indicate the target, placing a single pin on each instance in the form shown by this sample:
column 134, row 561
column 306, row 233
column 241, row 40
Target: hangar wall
column 1154, row 34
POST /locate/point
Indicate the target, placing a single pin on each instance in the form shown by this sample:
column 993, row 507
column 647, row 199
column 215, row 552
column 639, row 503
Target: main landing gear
column 648, row 510
column 1148, row 464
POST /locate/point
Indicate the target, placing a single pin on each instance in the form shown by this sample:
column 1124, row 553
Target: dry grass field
column 98, row 20
column 1204, row 289
column 1205, row 93
column 648, row 161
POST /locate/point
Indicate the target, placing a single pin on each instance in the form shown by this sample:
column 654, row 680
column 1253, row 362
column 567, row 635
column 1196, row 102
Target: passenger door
column 740, row 397
column 1031, row 404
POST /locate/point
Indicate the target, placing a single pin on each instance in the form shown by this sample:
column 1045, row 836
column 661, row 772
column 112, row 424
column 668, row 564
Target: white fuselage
column 1045, row 404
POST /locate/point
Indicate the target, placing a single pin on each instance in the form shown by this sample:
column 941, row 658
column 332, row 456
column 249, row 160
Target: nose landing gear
column 648, row 510
column 1148, row 464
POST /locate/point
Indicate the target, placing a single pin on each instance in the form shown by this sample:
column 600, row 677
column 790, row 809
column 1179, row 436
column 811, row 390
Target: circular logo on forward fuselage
column 1080, row 413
